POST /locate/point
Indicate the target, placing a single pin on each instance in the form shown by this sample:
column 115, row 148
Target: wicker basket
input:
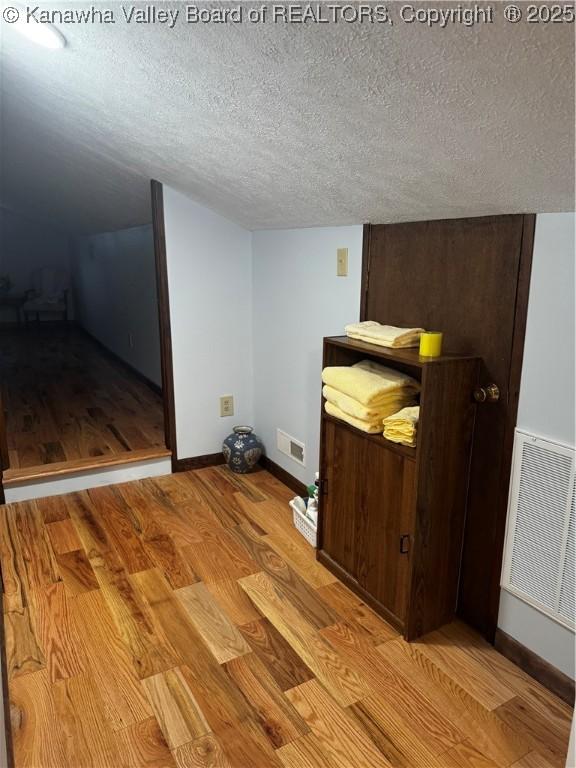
column 304, row 525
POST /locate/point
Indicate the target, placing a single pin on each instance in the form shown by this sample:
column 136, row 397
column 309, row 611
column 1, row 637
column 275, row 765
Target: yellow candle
column 431, row 344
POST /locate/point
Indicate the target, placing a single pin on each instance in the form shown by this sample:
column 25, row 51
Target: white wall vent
column 539, row 554
column 291, row 447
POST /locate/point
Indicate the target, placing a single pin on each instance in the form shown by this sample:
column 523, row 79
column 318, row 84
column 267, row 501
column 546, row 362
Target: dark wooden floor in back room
column 65, row 399
column 183, row 621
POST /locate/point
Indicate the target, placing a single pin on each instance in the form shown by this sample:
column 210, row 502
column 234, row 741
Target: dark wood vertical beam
column 164, row 317
column 514, row 379
column 366, row 236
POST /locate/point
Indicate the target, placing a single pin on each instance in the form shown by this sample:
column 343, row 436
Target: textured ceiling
column 279, row 125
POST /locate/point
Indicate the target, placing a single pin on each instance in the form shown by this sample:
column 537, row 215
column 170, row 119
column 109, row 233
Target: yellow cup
column 431, row 344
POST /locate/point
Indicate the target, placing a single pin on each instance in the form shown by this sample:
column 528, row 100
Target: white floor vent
column 291, row 447
column 539, row 554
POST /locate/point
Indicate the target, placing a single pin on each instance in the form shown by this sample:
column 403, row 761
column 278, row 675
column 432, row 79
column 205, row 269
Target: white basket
column 304, row 525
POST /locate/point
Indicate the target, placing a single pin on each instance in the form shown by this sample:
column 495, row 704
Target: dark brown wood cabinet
column 391, row 518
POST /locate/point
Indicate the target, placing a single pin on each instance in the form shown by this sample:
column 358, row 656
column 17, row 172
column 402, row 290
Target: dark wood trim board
column 107, row 351
column 285, row 477
column 514, row 379
column 197, row 462
column 164, row 317
column 535, row 666
column 366, row 236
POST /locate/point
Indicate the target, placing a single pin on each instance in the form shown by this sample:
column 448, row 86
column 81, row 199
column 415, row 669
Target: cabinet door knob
column 488, row 394
column 404, row 544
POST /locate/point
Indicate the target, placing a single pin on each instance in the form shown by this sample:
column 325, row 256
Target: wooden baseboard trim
column 14, row 477
column 535, row 666
column 197, row 462
column 285, row 477
column 139, row 375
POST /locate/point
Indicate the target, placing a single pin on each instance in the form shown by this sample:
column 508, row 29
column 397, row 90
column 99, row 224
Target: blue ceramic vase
column 242, row 450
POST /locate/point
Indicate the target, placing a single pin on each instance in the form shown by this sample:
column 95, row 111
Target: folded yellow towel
column 389, row 404
column 402, row 427
column 402, row 379
column 367, row 382
column 384, row 335
column 366, row 426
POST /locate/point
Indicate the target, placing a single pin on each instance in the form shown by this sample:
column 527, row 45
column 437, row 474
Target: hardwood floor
column 66, row 400
column 183, row 622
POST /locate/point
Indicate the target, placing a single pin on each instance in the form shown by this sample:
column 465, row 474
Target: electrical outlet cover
column 227, row 405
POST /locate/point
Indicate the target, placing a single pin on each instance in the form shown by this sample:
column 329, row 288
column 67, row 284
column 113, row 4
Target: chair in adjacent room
column 48, row 295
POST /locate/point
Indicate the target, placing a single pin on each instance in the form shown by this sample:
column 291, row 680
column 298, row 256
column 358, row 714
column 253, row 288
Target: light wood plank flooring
column 66, row 400
column 182, row 622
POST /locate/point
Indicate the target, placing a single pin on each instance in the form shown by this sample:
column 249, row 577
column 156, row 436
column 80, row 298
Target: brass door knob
column 488, row 394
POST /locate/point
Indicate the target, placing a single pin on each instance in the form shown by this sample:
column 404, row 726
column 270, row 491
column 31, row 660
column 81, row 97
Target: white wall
column 210, row 285
column 546, row 406
column 115, row 293
column 298, row 299
column 545, row 637
column 26, row 244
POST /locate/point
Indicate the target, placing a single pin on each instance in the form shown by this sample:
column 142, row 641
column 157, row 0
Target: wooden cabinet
column 391, row 517
column 364, row 521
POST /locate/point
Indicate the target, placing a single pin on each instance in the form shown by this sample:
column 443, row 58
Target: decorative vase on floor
column 242, row 450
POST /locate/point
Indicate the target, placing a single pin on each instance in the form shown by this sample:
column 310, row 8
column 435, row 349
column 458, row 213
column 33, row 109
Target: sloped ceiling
column 289, row 125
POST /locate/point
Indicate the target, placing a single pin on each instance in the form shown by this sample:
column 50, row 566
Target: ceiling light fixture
column 41, row 34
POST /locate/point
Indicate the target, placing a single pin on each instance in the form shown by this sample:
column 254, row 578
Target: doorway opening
column 80, row 353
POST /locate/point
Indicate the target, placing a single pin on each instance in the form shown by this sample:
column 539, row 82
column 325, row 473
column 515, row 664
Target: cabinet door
column 343, row 462
column 385, row 515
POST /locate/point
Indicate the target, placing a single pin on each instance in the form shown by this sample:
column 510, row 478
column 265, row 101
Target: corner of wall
column 298, row 299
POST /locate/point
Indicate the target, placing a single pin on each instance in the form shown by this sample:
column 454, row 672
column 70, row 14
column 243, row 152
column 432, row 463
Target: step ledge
column 12, row 477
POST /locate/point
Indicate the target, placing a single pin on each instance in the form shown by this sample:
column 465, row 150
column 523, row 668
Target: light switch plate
column 342, row 262
column 227, row 405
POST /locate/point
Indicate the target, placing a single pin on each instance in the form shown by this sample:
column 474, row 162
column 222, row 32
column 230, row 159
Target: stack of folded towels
column 402, row 427
column 364, row 394
column 384, row 335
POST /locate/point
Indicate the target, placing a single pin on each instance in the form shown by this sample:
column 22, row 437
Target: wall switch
column 342, row 262
column 227, row 405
